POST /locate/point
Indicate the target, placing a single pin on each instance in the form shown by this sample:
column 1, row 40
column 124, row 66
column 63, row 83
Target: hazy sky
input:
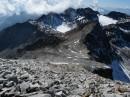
column 115, row 3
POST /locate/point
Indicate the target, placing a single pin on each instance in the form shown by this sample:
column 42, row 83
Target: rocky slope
column 35, row 78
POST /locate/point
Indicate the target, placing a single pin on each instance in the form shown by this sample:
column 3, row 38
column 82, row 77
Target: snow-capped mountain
column 20, row 33
column 70, row 16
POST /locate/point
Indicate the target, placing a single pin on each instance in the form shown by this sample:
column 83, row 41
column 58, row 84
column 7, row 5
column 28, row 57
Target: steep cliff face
column 110, row 44
column 109, row 41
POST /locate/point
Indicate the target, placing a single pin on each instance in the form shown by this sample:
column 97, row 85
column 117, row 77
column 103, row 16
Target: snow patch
column 126, row 31
column 80, row 18
column 64, row 28
column 104, row 20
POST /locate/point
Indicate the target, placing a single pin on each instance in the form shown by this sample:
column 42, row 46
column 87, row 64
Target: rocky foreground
column 34, row 78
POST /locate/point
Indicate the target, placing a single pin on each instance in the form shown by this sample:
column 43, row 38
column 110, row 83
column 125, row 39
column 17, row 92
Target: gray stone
column 9, row 84
column 24, row 76
column 69, row 81
column 33, row 87
column 73, row 96
column 12, row 78
column 4, row 74
column 1, row 86
column 2, row 80
column 41, row 95
column 24, row 86
column 112, row 95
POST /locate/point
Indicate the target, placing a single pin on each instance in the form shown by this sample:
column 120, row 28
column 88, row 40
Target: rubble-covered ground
column 35, row 78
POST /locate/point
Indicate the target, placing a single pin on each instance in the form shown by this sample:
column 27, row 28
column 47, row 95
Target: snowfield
column 65, row 27
column 104, row 20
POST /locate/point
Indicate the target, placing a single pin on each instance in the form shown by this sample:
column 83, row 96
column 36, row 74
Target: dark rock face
column 117, row 15
column 16, row 35
column 98, row 43
column 105, row 42
column 69, row 16
column 110, row 45
column 125, row 25
column 107, row 72
column 25, row 34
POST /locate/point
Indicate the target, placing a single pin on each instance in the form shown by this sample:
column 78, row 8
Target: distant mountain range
column 107, row 10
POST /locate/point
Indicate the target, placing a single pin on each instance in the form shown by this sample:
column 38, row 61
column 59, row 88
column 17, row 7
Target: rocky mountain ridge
column 63, row 60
